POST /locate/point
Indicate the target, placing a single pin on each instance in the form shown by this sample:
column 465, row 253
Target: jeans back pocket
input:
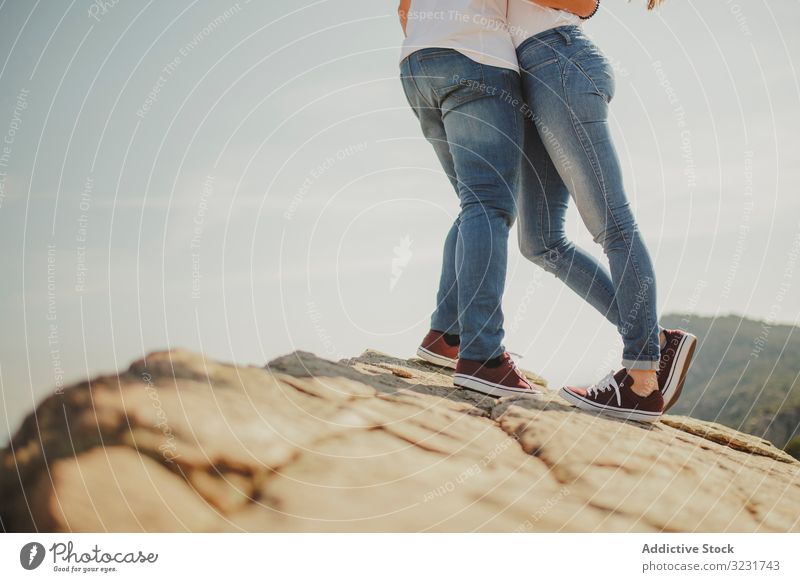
column 454, row 78
column 595, row 67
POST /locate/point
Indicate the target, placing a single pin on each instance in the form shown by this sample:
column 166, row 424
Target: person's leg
column 485, row 137
column 482, row 119
column 542, row 203
column 445, row 315
column 569, row 96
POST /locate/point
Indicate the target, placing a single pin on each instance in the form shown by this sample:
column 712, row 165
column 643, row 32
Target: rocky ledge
column 375, row 443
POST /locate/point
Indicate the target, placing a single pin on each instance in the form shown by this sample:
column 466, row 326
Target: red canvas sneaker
column 503, row 380
column 436, row 350
column 674, row 364
column 613, row 396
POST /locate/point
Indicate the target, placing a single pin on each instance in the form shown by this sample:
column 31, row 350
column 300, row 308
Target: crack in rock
column 179, row 442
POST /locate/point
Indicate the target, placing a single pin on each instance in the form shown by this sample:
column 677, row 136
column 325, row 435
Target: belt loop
column 567, row 38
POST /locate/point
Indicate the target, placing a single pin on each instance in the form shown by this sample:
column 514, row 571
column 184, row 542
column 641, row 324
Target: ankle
column 451, row 339
column 645, row 382
column 493, row 362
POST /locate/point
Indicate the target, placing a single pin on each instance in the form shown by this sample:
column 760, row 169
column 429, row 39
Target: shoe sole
column 435, row 359
column 677, row 378
column 490, row 388
column 589, row 406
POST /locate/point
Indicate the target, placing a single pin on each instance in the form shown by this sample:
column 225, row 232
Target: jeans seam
column 634, row 263
column 541, row 208
column 518, row 129
column 637, row 271
column 547, row 248
column 579, row 132
column 606, row 98
column 601, row 183
column 575, row 60
column 414, row 80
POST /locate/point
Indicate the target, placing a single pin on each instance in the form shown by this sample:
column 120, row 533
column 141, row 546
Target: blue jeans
column 568, row 84
column 472, row 115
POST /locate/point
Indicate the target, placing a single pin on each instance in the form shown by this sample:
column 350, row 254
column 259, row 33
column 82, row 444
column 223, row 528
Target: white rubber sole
column 589, row 406
column 677, row 377
column 435, row 359
column 490, row 388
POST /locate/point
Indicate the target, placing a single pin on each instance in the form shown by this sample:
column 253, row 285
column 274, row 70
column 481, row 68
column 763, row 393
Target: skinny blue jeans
column 568, row 84
column 472, row 115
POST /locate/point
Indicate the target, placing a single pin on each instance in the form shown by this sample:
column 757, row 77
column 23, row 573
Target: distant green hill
column 745, row 375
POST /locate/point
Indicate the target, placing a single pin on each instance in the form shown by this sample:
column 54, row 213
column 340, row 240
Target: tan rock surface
column 374, row 443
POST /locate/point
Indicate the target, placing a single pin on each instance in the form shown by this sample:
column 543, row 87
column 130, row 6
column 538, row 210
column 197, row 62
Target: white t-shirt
column 526, row 19
column 475, row 28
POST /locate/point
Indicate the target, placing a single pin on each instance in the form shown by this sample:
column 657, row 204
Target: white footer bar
column 406, row 557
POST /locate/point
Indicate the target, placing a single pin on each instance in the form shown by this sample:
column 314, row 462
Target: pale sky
column 235, row 178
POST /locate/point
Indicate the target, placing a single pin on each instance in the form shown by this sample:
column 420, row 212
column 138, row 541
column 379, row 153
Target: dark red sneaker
column 613, row 396
column 676, row 357
column 436, row 350
column 503, row 380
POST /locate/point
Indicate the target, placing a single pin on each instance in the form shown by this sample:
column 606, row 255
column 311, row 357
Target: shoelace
column 607, row 383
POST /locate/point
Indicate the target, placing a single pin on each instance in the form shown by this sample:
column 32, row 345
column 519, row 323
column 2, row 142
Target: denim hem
column 454, row 328
column 640, row 364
